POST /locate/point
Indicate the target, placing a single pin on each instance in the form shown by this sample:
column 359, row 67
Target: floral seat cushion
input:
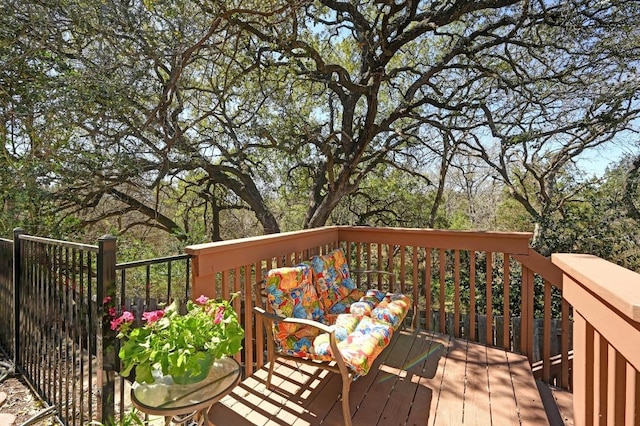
column 367, row 303
column 360, row 341
column 392, row 309
column 303, row 340
column 360, row 347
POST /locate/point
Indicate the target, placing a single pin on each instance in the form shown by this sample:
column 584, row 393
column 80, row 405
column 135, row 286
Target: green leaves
column 176, row 343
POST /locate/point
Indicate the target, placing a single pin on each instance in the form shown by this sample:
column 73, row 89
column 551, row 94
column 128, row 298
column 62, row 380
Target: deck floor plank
column 477, row 404
column 387, row 379
column 425, row 399
column 503, row 402
column 406, row 384
column 450, row 401
column 422, row 378
column 526, row 393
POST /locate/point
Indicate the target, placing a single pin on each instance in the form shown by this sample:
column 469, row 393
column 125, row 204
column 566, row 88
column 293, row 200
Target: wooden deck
column 422, row 379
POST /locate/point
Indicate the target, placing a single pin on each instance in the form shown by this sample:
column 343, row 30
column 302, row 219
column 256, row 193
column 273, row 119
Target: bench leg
column 346, row 411
column 270, row 375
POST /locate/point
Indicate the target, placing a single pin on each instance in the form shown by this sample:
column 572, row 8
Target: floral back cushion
column 332, row 278
column 291, row 293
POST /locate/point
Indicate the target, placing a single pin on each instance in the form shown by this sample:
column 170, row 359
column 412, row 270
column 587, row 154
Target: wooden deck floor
column 423, row 379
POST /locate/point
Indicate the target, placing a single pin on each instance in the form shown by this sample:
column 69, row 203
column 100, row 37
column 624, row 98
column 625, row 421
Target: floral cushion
column 345, row 324
column 322, row 290
column 333, row 281
column 343, row 306
column 392, row 309
column 366, row 303
column 360, row 341
column 291, row 293
column 295, row 339
column 360, row 347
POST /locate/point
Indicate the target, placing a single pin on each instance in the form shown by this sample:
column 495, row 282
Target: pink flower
column 112, row 312
column 219, row 315
column 153, row 316
column 202, row 300
column 125, row 317
column 106, row 300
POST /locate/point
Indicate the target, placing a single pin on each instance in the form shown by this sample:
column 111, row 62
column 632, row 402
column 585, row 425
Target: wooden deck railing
column 474, row 267
column 606, row 303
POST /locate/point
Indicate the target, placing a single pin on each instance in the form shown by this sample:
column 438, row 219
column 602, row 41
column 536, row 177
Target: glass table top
column 167, row 398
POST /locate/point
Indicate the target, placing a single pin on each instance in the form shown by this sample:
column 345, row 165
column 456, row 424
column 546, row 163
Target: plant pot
column 193, row 376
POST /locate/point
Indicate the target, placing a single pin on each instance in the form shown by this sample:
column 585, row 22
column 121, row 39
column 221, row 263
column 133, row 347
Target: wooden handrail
column 606, row 303
column 613, row 284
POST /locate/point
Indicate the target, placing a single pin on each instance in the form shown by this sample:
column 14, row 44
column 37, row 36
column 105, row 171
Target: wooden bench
column 314, row 314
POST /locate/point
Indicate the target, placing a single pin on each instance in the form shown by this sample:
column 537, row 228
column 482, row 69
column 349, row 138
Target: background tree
column 539, row 81
column 188, row 117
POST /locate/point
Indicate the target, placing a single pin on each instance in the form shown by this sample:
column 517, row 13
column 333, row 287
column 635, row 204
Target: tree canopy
column 221, row 119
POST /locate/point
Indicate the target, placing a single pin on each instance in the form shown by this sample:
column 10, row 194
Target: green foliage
column 176, row 344
column 131, row 417
column 512, row 216
column 172, row 123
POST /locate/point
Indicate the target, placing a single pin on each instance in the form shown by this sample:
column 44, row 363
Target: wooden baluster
column 427, row 288
column 546, row 357
column 442, row 290
column 506, row 299
column 456, row 300
column 414, row 281
column 489, row 291
column 472, row 296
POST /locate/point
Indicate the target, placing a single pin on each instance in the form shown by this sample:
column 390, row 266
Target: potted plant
column 182, row 346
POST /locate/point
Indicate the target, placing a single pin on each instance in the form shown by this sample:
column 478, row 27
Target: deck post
column 106, row 338
column 17, row 275
column 606, row 330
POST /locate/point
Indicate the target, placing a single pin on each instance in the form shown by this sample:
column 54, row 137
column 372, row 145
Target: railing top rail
column 508, row 242
column 261, row 240
column 4, row 240
column 542, row 266
column 137, row 263
column 469, row 240
column 222, row 255
column 614, row 284
column 59, row 243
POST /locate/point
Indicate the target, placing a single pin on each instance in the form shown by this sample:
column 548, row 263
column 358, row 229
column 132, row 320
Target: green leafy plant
column 173, row 344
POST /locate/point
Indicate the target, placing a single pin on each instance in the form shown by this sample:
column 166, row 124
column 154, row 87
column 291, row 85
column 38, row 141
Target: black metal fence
column 147, row 285
column 6, row 295
column 57, row 302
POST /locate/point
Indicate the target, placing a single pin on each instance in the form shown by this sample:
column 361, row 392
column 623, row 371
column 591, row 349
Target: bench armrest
column 337, row 355
column 273, row 317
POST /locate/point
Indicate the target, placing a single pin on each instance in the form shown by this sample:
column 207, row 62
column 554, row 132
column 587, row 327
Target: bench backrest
column 309, row 289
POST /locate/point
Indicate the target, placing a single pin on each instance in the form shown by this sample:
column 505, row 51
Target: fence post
column 106, row 338
column 17, row 271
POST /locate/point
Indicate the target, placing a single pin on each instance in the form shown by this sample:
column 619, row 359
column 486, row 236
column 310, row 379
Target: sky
column 596, row 161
